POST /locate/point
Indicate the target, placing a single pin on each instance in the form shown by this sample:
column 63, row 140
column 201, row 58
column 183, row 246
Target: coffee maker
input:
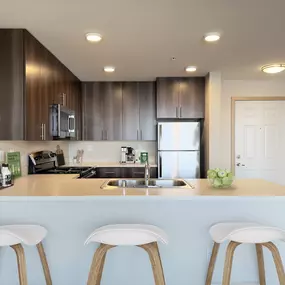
column 127, row 155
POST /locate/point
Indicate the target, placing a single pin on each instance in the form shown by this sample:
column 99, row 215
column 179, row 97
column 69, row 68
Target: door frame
column 233, row 123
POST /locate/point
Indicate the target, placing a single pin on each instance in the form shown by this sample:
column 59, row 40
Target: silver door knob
column 239, row 164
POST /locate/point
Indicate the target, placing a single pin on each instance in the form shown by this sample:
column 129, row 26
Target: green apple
column 230, row 175
column 227, row 181
column 217, row 182
column 211, row 174
column 222, row 174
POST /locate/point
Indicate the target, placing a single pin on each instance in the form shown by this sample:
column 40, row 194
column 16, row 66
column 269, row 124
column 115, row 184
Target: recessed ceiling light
column 273, row 68
column 109, row 68
column 191, row 68
column 93, row 37
column 212, row 37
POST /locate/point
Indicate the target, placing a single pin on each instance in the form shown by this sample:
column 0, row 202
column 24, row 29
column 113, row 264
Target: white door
column 260, row 140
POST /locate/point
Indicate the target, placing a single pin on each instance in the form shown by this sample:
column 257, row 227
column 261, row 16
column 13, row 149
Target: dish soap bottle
column 6, row 176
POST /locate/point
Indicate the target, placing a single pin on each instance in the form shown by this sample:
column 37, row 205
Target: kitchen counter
column 67, row 187
column 109, row 164
column 72, row 208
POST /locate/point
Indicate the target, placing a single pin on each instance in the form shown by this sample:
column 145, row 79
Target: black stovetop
column 83, row 171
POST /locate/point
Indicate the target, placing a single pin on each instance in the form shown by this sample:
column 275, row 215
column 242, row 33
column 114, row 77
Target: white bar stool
column 16, row 235
column 252, row 233
column 144, row 236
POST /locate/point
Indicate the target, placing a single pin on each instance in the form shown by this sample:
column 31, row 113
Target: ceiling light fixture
column 93, row 37
column 212, row 37
column 109, row 68
column 190, row 68
column 273, row 68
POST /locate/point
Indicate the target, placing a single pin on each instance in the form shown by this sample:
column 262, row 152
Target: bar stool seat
column 16, row 235
column 245, row 233
column 248, row 233
column 143, row 236
column 127, row 234
column 26, row 234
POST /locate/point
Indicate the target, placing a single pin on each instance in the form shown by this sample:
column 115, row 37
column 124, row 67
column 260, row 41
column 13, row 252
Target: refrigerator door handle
column 180, row 112
column 159, row 166
column 176, row 112
column 159, row 135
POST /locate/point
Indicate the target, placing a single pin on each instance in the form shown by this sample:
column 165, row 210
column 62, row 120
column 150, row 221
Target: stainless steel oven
column 62, row 122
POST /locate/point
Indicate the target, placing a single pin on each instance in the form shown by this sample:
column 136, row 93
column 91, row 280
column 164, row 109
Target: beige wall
column 213, row 119
column 241, row 88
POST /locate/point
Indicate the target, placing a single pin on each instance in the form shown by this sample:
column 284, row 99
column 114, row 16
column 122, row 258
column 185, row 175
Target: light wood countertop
column 61, row 187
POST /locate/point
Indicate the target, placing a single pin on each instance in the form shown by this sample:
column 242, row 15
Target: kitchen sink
column 140, row 183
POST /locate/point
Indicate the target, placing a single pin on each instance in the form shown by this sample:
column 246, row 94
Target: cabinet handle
column 106, row 135
column 176, row 112
column 180, row 112
column 102, row 135
column 141, row 135
column 42, row 132
column 137, row 135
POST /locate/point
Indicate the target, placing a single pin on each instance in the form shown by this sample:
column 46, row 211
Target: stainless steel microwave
column 62, row 122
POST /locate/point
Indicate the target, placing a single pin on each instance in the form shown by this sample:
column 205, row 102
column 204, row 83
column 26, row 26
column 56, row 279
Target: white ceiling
column 141, row 36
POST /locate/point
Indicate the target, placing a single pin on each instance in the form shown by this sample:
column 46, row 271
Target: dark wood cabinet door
column 192, row 98
column 111, row 96
column 12, row 84
column 34, row 122
column 92, row 111
column 147, row 111
column 130, row 111
column 167, row 98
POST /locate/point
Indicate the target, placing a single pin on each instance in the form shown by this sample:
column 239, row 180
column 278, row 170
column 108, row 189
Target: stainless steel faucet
column 146, row 174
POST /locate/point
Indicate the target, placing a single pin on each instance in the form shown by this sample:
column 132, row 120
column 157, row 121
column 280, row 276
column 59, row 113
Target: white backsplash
column 106, row 151
column 110, row 151
column 26, row 147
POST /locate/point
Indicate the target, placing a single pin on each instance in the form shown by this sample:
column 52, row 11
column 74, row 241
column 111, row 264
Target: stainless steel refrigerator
column 178, row 150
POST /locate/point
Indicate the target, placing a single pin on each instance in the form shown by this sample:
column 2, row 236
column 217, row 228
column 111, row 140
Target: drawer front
column 108, row 172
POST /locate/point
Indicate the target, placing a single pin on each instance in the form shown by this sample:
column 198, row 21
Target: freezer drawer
column 178, row 164
column 178, row 136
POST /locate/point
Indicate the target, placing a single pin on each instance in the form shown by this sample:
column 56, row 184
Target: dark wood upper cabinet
column 11, row 85
column 102, row 110
column 139, row 111
column 92, row 111
column 180, row 98
column 31, row 79
column 192, row 98
column 118, row 111
column 112, row 99
column 147, row 111
column 167, row 98
column 131, row 119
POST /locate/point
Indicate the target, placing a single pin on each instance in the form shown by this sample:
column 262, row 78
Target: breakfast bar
column 70, row 209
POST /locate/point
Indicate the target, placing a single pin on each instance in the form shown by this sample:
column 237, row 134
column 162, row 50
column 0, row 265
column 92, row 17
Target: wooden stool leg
column 154, row 256
column 212, row 263
column 229, row 262
column 44, row 263
column 22, row 271
column 97, row 266
column 260, row 261
column 277, row 261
